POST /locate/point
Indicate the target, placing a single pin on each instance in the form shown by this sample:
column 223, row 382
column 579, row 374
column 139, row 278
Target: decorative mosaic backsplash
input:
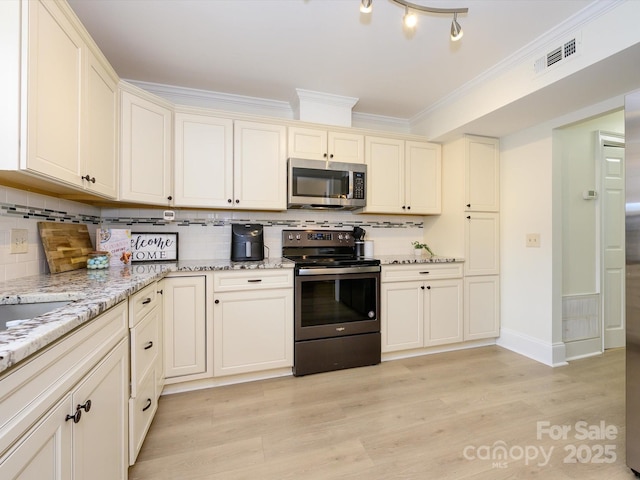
column 45, row 214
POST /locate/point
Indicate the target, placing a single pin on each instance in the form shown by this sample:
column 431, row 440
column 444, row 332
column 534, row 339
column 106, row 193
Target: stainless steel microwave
column 326, row 185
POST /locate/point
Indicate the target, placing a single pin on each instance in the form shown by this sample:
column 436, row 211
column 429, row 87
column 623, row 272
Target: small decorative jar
column 98, row 260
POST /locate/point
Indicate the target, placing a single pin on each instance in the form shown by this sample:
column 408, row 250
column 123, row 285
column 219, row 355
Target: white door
column 613, row 234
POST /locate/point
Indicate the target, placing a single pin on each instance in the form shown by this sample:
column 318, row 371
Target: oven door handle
column 338, row 270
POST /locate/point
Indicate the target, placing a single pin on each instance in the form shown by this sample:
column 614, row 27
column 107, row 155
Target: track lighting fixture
column 366, row 6
column 456, row 29
column 410, row 19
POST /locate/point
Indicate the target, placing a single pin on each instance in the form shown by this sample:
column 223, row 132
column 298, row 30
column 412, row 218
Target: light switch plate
column 19, row 240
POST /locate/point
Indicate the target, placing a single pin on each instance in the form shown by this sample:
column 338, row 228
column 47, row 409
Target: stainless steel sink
column 26, row 311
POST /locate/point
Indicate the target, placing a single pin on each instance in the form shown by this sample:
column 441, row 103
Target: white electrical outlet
column 19, row 242
column 533, row 239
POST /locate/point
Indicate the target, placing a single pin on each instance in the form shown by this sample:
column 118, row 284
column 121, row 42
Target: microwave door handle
column 350, row 192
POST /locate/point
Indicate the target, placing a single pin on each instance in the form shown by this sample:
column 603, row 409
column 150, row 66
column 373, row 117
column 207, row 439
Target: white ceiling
column 268, row 48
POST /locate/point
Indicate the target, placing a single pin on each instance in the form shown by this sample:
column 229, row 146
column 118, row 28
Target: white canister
column 368, row 248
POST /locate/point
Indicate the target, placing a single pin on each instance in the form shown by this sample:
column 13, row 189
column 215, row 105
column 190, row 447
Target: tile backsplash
column 202, row 234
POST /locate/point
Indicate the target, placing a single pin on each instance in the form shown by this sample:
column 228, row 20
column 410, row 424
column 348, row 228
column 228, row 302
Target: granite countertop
column 90, row 293
column 415, row 259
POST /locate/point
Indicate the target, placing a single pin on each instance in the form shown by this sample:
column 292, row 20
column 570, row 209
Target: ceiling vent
column 557, row 55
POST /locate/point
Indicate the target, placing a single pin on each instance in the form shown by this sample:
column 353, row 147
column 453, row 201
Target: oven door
column 336, row 304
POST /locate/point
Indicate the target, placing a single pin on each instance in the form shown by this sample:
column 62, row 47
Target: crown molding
column 587, row 15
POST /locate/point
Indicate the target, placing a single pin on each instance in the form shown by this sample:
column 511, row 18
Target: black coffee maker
column 247, row 242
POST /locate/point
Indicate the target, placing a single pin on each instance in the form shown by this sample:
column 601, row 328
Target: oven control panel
column 316, row 238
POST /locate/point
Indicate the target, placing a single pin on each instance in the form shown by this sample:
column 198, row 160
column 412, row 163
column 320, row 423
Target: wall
column 203, row 234
column 532, row 202
column 22, row 209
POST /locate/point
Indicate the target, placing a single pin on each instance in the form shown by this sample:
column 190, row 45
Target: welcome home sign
column 154, row 247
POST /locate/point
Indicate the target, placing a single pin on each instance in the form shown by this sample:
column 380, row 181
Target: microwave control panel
column 358, row 185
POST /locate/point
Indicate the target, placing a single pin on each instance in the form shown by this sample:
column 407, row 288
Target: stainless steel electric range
column 336, row 300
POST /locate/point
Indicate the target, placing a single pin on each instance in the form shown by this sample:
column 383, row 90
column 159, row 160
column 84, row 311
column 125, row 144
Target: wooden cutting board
column 66, row 245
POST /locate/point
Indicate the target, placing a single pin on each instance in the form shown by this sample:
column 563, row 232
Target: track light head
column 366, row 6
column 456, row 29
column 410, row 19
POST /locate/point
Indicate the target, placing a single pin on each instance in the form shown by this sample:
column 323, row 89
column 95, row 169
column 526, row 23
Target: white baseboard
column 553, row 355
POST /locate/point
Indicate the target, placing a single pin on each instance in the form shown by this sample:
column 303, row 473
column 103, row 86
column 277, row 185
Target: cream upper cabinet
column 423, row 177
column 259, row 166
column 317, row 144
column 403, row 176
column 145, row 147
column 68, row 131
column 56, row 58
column 203, row 161
column 482, row 174
column 100, row 146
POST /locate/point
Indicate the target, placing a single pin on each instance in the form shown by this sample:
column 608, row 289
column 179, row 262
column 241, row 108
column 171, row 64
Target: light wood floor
column 405, row 419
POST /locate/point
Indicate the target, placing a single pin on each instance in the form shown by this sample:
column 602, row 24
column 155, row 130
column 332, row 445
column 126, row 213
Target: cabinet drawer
column 142, row 302
column 423, row 271
column 141, row 412
column 145, row 344
column 252, row 280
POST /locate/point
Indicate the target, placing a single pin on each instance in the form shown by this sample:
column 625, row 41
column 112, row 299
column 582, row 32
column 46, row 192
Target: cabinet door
column 145, row 161
column 44, row 453
column 54, row 90
column 385, row 172
column 345, row 147
column 402, row 313
column 481, row 307
column 482, row 174
column 99, row 438
column 253, row 331
column 260, row 166
column 184, row 326
column 307, row 143
column 482, row 244
column 203, row 161
column 423, row 178
column 443, row 312
column 100, row 137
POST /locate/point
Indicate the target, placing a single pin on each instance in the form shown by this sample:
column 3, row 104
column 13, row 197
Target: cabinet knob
column 422, row 287
column 403, row 207
column 169, row 198
column 409, row 207
column 324, row 155
column 229, row 200
column 237, row 201
column 159, row 291
column 428, row 287
column 331, row 156
column 148, row 405
column 468, row 205
column 86, row 406
column 216, row 301
column 468, row 217
column 75, row 417
column 88, row 178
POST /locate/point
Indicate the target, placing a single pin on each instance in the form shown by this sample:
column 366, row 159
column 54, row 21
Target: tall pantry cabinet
column 471, row 204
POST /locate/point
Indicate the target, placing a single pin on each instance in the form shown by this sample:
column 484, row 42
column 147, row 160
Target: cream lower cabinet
column 145, row 324
column 253, row 321
column 64, row 412
column 420, row 313
column 186, row 345
column 481, row 307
